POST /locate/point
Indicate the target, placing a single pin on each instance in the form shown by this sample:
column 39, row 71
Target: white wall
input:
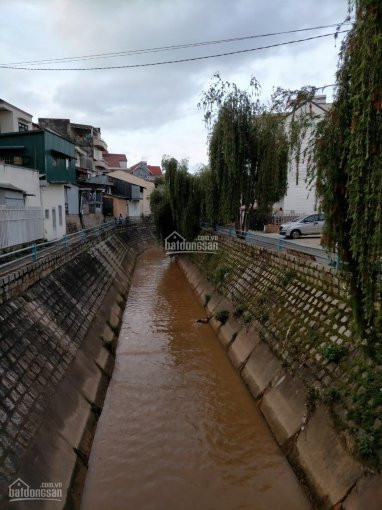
column 53, row 196
column 97, row 154
column 72, row 197
column 10, row 118
column 134, row 208
column 25, row 179
column 301, row 195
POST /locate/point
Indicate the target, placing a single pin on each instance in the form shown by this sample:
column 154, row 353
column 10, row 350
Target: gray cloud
column 133, row 100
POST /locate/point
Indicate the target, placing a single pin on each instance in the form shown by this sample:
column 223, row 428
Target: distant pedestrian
column 120, row 219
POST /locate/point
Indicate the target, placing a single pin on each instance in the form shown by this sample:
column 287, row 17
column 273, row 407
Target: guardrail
column 35, row 251
column 280, row 245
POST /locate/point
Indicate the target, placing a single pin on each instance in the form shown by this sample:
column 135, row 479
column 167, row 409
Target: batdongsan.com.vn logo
column 21, row 491
column 175, row 243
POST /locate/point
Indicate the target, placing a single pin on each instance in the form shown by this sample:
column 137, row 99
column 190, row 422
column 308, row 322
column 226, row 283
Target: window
column 23, row 127
column 47, row 214
column 54, row 218
column 60, row 215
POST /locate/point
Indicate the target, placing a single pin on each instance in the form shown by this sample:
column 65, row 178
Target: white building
column 21, row 216
column 53, row 205
column 301, row 195
column 12, row 119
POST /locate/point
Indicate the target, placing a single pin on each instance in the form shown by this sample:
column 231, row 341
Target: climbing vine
column 347, row 158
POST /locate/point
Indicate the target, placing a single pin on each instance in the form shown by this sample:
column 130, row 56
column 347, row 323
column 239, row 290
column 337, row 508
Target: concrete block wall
column 43, row 328
column 285, row 315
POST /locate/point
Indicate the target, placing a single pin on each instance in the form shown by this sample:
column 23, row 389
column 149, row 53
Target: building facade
column 137, row 206
column 88, row 142
column 13, row 120
column 145, row 171
column 300, row 197
column 21, row 216
column 54, row 158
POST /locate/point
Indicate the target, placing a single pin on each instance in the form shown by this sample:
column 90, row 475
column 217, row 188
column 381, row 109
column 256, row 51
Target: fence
column 280, row 245
column 20, row 226
column 281, row 219
column 35, row 251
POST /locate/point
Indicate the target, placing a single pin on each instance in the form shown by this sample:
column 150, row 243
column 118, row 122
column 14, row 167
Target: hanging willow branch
column 248, row 152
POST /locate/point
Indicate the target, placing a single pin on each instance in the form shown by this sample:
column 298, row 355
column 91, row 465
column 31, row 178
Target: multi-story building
column 139, row 205
column 54, row 158
column 89, row 145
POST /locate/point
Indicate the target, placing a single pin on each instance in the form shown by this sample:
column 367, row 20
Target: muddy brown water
column 179, row 430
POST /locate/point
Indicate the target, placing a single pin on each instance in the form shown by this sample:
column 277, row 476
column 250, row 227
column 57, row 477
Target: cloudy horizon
column 151, row 111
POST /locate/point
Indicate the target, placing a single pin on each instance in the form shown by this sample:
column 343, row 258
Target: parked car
column 309, row 224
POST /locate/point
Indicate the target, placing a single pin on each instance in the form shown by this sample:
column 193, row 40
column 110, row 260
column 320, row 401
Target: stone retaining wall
column 56, row 354
column 290, row 334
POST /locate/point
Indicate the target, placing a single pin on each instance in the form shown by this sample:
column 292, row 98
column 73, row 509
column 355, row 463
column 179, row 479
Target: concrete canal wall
column 59, row 318
column 289, row 333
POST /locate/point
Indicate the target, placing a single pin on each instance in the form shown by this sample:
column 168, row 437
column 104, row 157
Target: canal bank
column 178, row 428
column 59, row 317
column 286, row 325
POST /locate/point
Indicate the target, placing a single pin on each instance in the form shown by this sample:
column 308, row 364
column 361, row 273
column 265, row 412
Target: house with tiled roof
column 145, row 171
column 115, row 161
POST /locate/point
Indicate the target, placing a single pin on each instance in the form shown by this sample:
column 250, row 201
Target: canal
column 179, row 431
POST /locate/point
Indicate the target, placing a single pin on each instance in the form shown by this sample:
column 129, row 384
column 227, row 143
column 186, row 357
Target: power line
column 166, row 48
column 150, row 64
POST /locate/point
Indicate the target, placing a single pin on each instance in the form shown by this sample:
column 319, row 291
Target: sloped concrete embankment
column 280, row 311
column 57, row 333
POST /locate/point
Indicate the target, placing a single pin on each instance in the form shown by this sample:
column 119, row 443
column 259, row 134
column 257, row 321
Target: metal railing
column 35, row 251
column 280, row 245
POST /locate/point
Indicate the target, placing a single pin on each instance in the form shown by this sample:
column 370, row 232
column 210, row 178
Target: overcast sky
column 151, row 111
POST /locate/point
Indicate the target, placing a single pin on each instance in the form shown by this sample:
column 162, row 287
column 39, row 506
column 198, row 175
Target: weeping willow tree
column 176, row 203
column 248, row 153
column 347, row 158
column 161, row 211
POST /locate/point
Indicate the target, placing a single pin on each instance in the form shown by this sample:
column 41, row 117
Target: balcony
column 100, row 164
column 85, row 162
column 99, row 143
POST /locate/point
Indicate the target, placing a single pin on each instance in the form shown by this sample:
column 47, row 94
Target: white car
column 309, row 224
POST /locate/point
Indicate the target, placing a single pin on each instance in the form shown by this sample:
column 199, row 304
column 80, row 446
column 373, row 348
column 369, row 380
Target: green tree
column 161, row 211
column 176, row 203
column 248, row 152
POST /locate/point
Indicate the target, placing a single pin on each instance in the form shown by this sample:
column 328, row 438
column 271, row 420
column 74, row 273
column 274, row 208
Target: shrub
column 247, row 317
column 220, row 274
column 287, row 276
column 330, row 395
column 333, row 352
column 311, row 398
column 239, row 310
column 367, row 445
column 222, row 316
column 263, row 315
